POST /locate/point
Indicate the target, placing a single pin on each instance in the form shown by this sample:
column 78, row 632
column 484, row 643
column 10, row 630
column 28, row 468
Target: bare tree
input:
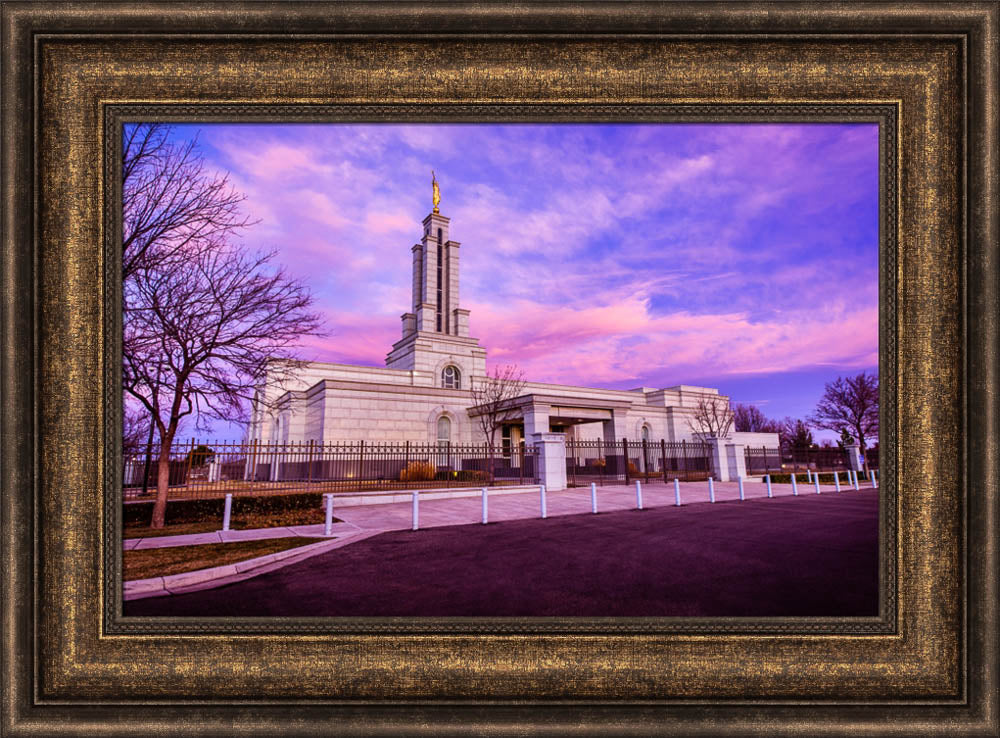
column 172, row 203
column 491, row 396
column 712, row 418
column 795, row 434
column 851, row 404
column 136, row 429
column 200, row 334
column 750, row 419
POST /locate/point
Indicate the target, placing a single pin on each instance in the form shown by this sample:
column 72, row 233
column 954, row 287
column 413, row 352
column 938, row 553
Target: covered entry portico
column 546, row 421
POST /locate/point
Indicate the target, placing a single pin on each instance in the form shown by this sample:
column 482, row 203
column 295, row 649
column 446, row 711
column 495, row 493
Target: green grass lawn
column 275, row 519
column 159, row 562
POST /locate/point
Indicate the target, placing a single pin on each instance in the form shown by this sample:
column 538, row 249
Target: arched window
column 645, row 432
column 444, row 430
column 451, row 378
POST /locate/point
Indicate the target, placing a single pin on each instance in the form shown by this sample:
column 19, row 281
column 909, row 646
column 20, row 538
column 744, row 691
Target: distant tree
column 491, row 396
column 201, row 332
column 711, row 418
column 795, row 434
column 750, row 419
column 200, row 455
column 850, row 404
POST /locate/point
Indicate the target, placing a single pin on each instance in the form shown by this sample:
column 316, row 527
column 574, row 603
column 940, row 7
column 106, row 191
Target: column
column 736, row 455
column 536, row 420
column 550, row 450
column 719, row 458
column 854, row 458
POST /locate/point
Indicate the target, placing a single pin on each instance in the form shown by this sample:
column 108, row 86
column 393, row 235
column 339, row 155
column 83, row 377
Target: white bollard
column 740, row 480
column 711, row 490
column 544, row 511
column 795, row 486
column 416, row 511
column 767, row 477
column 874, row 480
column 816, row 482
column 593, row 497
column 638, row 494
column 677, row 493
column 809, row 475
column 328, row 525
column 836, row 480
column 857, row 486
column 227, row 511
column 485, row 511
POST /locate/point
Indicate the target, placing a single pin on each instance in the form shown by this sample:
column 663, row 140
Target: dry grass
column 159, row 562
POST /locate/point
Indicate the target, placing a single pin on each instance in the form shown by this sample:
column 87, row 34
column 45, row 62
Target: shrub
column 417, row 471
column 632, row 468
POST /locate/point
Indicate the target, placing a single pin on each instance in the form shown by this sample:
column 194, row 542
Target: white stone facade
column 405, row 401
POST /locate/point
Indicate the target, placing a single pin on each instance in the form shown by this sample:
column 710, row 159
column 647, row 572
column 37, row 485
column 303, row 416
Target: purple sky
column 743, row 256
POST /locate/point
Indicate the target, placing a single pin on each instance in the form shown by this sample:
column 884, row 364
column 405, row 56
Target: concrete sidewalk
column 502, row 505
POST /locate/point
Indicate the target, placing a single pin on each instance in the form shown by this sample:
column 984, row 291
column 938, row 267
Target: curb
column 192, row 581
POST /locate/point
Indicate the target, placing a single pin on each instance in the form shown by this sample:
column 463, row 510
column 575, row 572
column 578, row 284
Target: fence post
column 309, row 480
column 677, row 492
column 328, row 526
column 485, row 513
column 541, row 489
column 601, row 457
column 711, row 490
column 663, row 457
column 416, row 509
column 740, row 480
column 593, row 498
column 625, row 458
column 768, row 478
column 227, row 512
column 571, row 454
column 638, row 494
column 361, row 465
column 816, row 482
column 795, row 486
column 836, row 480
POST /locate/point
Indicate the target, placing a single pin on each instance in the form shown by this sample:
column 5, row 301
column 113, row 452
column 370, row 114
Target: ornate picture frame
column 927, row 74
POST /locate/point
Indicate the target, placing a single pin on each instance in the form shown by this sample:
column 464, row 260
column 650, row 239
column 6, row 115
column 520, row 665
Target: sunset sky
column 743, row 256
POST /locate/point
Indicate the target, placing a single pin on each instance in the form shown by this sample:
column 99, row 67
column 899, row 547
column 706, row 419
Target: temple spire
column 437, row 192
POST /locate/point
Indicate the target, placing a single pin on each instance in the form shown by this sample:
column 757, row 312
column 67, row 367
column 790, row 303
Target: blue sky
column 741, row 256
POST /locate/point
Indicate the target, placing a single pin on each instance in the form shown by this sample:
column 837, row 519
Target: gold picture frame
column 927, row 74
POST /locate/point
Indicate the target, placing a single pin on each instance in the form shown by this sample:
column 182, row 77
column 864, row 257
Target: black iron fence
column 761, row 460
column 607, row 462
column 204, row 469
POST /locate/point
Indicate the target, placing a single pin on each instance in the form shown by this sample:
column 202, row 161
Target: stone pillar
column 719, row 458
column 854, row 458
column 550, row 449
column 736, row 454
column 536, row 420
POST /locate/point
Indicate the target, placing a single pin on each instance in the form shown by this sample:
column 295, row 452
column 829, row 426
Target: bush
column 200, row 456
column 800, row 477
column 632, row 468
column 417, row 471
column 194, row 511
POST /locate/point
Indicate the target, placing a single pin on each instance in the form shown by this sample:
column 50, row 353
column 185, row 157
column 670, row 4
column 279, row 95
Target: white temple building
column 423, row 392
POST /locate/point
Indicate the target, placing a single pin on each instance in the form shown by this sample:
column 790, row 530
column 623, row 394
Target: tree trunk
column 162, row 483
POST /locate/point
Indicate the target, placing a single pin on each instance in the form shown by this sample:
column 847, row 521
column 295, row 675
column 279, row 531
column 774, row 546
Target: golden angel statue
column 437, row 192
